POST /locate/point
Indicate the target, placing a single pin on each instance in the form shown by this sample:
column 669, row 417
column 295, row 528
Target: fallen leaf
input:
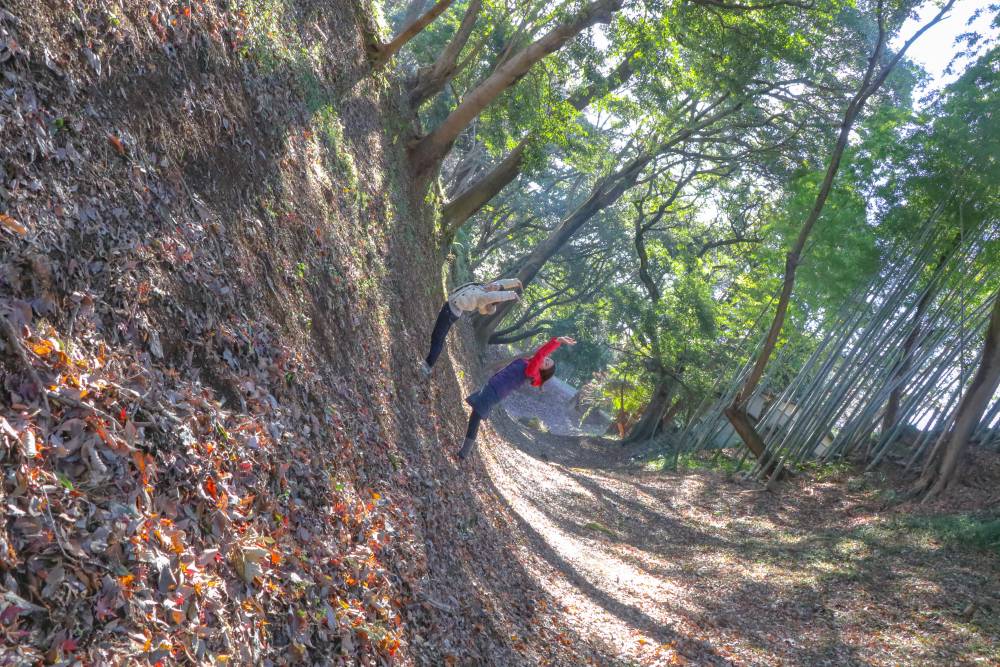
column 117, row 144
column 12, row 224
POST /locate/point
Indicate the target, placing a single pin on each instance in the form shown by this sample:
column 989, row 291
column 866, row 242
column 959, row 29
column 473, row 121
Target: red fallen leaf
column 211, row 489
column 122, row 416
column 69, row 645
column 246, row 466
column 117, row 144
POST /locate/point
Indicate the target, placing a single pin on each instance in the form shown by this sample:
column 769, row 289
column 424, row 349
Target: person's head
column 547, row 370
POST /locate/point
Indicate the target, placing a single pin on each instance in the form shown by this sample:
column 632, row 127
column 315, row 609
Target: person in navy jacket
column 511, row 377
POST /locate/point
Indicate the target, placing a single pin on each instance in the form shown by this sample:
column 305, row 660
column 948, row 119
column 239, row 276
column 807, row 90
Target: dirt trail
column 692, row 568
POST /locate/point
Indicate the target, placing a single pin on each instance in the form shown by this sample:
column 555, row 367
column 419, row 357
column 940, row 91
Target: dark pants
column 441, row 327
column 470, row 435
column 473, row 430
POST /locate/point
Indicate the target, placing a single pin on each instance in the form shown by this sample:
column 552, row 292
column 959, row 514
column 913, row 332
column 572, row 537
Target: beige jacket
column 483, row 298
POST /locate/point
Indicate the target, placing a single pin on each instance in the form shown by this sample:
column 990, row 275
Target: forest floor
column 695, row 567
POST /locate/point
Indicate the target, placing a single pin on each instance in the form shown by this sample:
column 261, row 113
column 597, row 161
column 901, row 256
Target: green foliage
column 960, row 530
column 827, row 471
column 715, row 460
column 272, row 41
column 719, row 205
column 328, row 126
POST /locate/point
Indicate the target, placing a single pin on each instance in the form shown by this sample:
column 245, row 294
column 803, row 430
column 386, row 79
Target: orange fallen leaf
column 117, row 144
column 42, row 349
column 140, row 463
column 12, row 224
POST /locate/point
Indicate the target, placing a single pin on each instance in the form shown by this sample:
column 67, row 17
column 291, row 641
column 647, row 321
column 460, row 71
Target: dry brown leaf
column 12, row 225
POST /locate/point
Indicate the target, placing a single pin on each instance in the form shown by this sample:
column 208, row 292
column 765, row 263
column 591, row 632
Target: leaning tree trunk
column 941, row 470
column 604, row 194
column 455, row 213
column 873, row 79
column 652, row 415
column 432, row 80
column 607, row 191
column 427, row 153
column 380, row 54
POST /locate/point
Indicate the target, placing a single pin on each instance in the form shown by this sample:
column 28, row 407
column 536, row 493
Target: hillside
column 211, row 264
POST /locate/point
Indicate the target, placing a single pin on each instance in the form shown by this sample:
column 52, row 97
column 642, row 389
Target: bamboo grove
column 767, row 231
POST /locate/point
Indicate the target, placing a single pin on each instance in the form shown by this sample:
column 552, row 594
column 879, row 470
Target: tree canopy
column 668, row 178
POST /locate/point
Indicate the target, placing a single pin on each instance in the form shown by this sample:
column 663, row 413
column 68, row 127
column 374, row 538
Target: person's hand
column 566, row 340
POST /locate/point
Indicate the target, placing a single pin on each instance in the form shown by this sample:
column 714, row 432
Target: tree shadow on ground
column 631, row 615
column 834, row 583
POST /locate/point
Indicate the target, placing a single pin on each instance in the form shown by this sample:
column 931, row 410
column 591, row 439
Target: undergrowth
column 959, row 530
column 705, row 460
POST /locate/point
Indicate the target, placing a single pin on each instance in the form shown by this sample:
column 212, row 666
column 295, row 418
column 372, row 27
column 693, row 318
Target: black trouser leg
column 470, row 435
column 473, row 430
column 441, row 327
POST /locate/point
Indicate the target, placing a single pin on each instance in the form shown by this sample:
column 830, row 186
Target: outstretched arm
column 487, row 303
column 504, row 283
column 535, row 364
column 496, row 297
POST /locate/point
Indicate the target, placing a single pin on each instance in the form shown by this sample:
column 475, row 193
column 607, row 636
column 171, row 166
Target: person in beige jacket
column 481, row 297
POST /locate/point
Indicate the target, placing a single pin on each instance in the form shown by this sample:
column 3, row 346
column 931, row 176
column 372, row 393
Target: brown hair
column 546, row 373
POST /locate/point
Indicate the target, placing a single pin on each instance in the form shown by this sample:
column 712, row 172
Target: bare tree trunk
column 383, row 53
column 413, row 11
column 744, row 428
column 427, row 153
column 652, row 415
column 873, row 79
column 942, row 470
column 455, row 213
column 432, row 81
column 603, row 195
